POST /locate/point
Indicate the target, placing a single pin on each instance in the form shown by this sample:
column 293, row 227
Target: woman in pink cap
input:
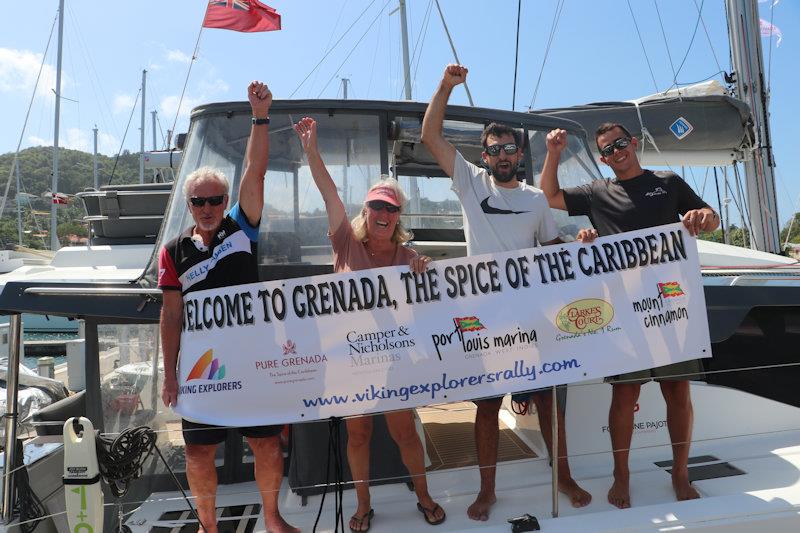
column 375, row 238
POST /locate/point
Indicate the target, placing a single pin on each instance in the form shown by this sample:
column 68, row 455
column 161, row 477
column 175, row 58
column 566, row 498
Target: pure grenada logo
column 585, row 316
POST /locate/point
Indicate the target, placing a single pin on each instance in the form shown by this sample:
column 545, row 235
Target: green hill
column 75, row 175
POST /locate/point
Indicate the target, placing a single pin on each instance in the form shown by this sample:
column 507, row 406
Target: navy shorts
column 196, row 433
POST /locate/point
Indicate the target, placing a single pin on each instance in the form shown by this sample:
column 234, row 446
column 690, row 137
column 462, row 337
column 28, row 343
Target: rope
column 326, row 54
column 641, row 42
column 516, row 59
column 334, row 434
column 721, row 210
column 553, row 27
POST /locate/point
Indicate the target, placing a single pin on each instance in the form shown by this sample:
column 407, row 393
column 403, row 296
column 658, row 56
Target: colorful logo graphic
column 207, row 362
column 468, row 323
column 289, row 347
column 584, row 316
column 670, row 289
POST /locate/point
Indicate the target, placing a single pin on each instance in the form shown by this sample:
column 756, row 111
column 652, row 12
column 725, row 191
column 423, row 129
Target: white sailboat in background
column 746, row 447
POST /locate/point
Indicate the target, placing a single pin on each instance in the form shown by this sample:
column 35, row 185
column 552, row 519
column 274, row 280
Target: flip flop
column 360, row 521
column 432, row 512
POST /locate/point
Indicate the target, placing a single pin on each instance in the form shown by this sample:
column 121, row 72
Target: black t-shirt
column 650, row 199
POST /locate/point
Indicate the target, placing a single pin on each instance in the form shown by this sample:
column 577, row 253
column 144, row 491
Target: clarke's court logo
column 585, row 316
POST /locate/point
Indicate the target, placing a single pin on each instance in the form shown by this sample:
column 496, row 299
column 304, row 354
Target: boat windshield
column 359, row 146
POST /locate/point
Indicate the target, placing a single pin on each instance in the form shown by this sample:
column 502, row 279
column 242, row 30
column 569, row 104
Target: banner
column 386, row 339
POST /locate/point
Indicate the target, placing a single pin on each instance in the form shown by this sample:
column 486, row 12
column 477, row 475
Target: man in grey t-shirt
column 635, row 199
column 500, row 214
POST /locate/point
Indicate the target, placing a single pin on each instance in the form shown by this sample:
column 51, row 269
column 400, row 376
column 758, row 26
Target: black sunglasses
column 619, row 144
column 200, row 201
column 508, row 148
column 380, row 205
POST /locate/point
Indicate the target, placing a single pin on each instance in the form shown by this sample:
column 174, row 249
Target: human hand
column 698, row 220
column 419, row 264
column 306, row 129
column 260, row 98
column 556, row 141
column 454, row 75
column 586, row 235
column 169, row 392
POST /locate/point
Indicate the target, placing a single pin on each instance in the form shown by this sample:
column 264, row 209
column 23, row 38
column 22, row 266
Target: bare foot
column 683, row 489
column 479, row 510
column 619, row 494
column 577, row 496
column 276, row 524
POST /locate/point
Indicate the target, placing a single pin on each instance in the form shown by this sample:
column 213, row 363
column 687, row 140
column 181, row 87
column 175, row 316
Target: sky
column 593, row 53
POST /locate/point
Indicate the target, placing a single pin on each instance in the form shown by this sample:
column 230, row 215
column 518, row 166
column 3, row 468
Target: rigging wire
column 426, row 24
column 553, row 27
column 691, row 41
column 183, row 91
column 516, row 60
column 327, row 45
column 420, row 41
column 374, row 58
column 769, row 56
column 721, row 209
column 666, row 43
column 708, row 37
column 27, row 115
column 122, row 142
column 641, row 42
column 327, row 53
column 453, row 48
column 353, row 49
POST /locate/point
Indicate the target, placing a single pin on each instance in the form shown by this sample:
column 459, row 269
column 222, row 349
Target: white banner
column 384, row 339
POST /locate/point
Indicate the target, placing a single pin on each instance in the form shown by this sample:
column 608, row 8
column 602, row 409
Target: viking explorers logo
column 207, row 361
column 584, row 316
column 207, row 368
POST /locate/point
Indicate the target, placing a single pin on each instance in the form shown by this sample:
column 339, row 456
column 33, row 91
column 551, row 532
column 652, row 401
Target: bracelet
column 259, row 121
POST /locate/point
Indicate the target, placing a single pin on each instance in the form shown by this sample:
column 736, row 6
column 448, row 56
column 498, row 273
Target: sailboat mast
column 141, row 129
column 54, row 185
column 19, row 202
column 748, row 68
column 406, row 63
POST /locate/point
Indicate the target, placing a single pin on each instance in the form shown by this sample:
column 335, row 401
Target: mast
column 19, row 204
column 54, row 185
column 141, row 129
column 406, row 64
column 94, row 159
column 748, row 68
column 153, row 114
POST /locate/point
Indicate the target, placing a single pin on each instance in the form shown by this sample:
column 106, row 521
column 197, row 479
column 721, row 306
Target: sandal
column 359, row 521
column 432, row 512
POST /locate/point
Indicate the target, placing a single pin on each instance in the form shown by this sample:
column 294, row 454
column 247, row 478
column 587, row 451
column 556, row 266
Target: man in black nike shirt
column 635, row 199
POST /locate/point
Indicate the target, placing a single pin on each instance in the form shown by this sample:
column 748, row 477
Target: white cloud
column 18, row 70
column 123, row 103
column 177, row 56
column 83, row 140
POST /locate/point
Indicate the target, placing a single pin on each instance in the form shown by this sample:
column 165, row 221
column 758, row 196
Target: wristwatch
column 260, row 121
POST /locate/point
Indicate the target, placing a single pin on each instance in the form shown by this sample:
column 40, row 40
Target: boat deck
column 746, row 482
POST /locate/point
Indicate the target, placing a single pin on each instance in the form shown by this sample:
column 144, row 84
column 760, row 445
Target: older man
column 500, row 214
column 635, row 199
column 219, row 250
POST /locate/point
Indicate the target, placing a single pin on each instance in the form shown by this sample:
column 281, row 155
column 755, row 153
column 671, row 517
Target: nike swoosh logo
column 489, row 210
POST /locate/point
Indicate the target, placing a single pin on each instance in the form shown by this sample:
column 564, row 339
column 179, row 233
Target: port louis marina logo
column 589, row 316
column 211, row 377
column 290, row 366
column 663, row 309
column 473, row 338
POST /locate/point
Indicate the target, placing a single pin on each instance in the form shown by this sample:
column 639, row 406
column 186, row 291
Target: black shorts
column 196, row 433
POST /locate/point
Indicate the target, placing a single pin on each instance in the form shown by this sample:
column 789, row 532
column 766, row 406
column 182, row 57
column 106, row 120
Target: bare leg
column 202, row 476
column 620, row 426
column 680, row 417
column 487, row 434
column 404, row 432
column 269, row 473
column 359, row 433
column 544, row 408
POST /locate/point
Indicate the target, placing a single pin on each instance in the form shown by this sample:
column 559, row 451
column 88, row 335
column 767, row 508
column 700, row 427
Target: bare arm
column 443, row 152
column 171, row 318
column 556, row 142
column 251, row 188
column 306, row 129
column 703, row 219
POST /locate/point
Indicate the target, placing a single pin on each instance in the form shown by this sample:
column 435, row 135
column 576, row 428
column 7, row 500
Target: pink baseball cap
column 386, row 194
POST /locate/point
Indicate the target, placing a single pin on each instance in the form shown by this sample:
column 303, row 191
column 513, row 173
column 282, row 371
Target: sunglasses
column 380, row 205
column 508, row 148
column 619, row 144
column 200, row 201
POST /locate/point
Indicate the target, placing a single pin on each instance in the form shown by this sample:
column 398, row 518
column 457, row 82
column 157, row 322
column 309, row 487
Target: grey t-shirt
column 497, row 219
column 650, row 199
